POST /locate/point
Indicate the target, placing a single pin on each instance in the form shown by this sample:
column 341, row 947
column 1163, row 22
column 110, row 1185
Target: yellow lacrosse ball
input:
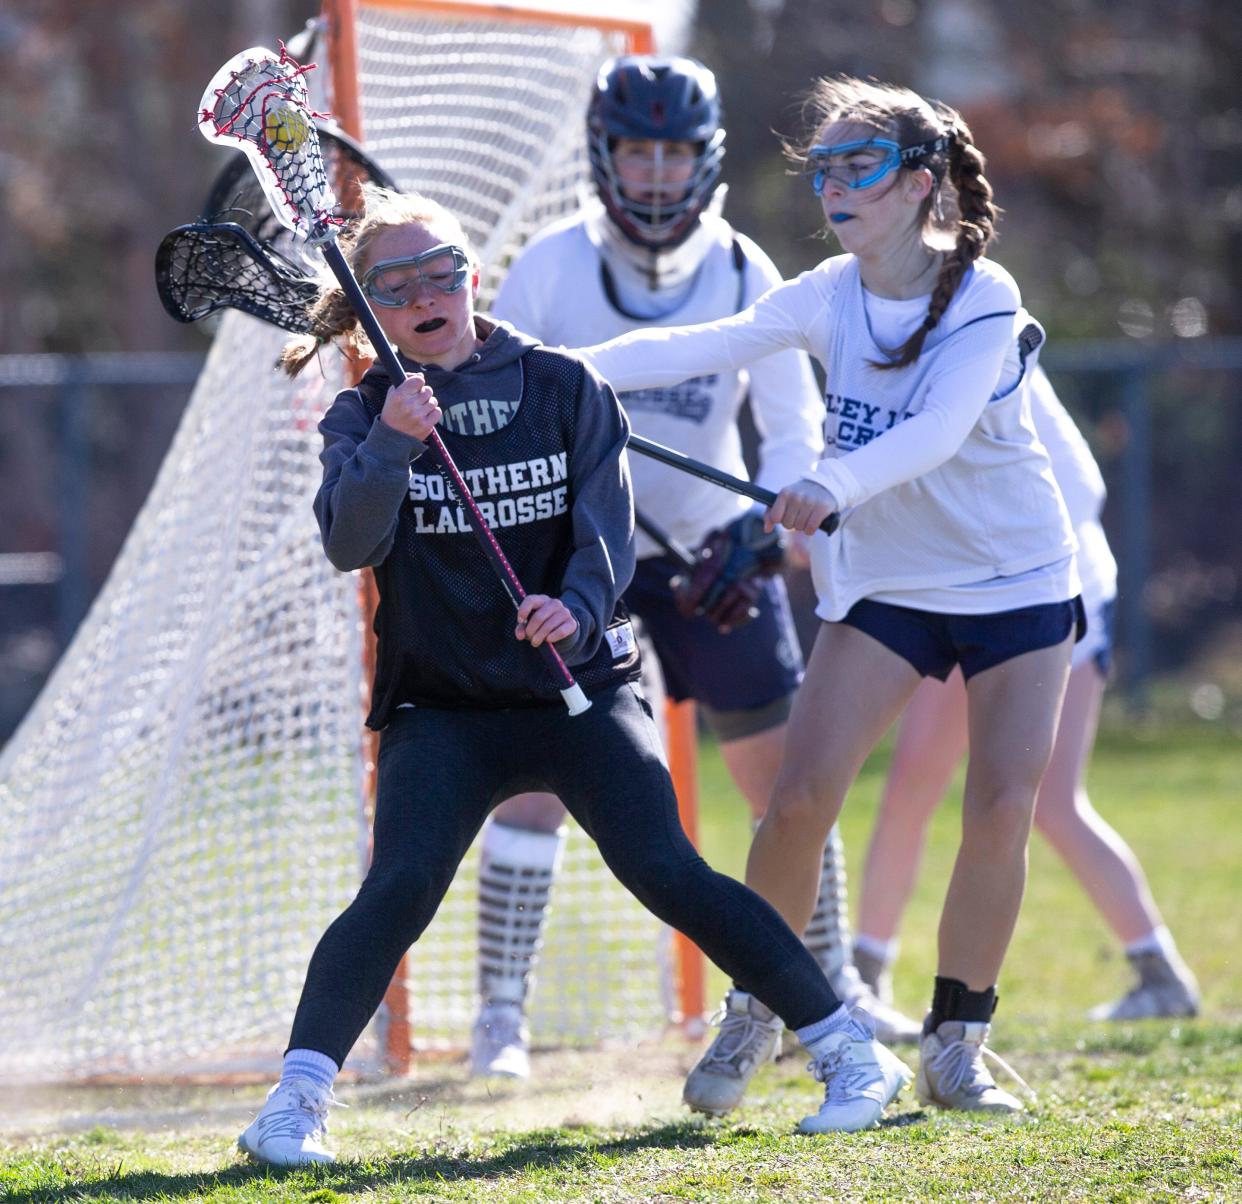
column 285, row 129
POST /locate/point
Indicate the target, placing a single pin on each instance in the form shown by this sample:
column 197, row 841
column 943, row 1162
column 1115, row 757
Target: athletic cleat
column 500, row 1043
column 291, row 1126
column 861, row 1078
column 891, row 1027
column 1165, row 987
column 952, row 1073
column 749, row 1036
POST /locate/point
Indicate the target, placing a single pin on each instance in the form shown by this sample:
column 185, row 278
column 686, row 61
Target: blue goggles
column 866, row 162
column 393, row 283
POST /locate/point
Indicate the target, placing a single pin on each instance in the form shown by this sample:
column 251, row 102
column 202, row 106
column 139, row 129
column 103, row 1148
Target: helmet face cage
column 661, row 100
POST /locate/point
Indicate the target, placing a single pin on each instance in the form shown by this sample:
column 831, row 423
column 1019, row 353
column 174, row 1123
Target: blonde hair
column 909, row 119
column 331, row 316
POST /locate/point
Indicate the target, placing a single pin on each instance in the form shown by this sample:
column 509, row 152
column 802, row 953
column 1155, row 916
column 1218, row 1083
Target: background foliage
column 1113, row 134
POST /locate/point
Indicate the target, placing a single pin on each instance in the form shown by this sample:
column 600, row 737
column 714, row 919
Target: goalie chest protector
column 444, row 622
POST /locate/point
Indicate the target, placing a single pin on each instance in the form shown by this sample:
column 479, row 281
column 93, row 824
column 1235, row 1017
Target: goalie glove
column 727, row 577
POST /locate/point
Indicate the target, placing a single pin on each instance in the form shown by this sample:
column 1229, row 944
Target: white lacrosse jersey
column 558, row 291
column 945, row 491
column 1082, row 484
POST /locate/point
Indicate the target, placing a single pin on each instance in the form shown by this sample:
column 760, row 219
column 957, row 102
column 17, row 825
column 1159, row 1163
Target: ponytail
column 331, row 317
column 976, row 227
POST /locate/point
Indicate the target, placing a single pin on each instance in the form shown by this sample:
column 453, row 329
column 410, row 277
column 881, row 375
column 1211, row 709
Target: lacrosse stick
column 206, row 266
column 237, row 196
column 239, row 256
column 202, row 267
column 696, row 468
column 675, row 548
column 258, row 102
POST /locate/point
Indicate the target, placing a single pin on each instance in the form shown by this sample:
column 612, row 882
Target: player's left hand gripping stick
column 258, row 103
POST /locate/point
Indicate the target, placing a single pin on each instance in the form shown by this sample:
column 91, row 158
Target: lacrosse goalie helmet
column 664, row 100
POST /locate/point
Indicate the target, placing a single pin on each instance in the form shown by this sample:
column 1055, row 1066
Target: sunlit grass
column 1125, row 1112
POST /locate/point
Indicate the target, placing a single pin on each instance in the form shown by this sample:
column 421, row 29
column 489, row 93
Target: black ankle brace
column 952, row 999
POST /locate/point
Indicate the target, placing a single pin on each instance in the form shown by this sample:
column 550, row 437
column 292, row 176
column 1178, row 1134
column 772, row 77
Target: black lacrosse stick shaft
column 677, row 550
column 696, row 468
column 447, row 468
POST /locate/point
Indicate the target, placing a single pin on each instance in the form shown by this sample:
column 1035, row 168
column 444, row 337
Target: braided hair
column 330, row 316
column 909, row 120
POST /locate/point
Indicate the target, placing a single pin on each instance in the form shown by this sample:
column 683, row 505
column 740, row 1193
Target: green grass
column 1149, row 1111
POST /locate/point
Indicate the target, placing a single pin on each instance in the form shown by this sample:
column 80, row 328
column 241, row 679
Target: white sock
column 516, row 870
column 832, row 1023
column 1158, row 940
column 877, row 947
column 309, row 1064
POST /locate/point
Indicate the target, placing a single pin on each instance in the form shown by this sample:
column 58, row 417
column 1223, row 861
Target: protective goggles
column 866, row 162
column 393, row 283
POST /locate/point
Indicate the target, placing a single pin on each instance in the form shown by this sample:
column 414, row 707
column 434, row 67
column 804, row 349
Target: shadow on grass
column 540, row 1150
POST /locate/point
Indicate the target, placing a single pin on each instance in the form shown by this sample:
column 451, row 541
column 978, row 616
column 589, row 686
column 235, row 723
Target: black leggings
column 440, row 775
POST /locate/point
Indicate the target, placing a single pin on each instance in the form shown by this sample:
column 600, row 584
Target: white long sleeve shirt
column 557, row 292
column 947, row 495
column 1082, row 484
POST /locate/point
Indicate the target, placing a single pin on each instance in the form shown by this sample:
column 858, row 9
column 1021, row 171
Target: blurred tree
column 99, row 157
column 1112, row 134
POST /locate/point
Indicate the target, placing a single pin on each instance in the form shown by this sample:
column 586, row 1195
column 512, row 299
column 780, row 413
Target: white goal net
column 183, row 807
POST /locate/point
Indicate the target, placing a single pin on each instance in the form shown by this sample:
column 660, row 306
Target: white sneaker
column 891, row 1027
column 500, row 1043
column 291, row 1126
column 861, row 1078
column 952, row 1073
column 1165, row 987
column 749, row 1035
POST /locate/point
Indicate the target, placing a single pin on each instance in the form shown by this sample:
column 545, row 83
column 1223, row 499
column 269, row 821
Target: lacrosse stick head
column 239, row 256
column 258, row 103
column 207, row 266
column 236, row 194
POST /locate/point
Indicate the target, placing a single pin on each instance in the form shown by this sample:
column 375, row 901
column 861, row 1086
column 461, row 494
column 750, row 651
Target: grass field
column 1149, row 1111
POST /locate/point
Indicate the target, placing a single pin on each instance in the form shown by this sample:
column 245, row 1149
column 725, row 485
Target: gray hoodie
column 373, row 480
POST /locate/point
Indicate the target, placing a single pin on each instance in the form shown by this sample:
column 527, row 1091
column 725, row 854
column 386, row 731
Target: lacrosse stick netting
column 238, row 255
column 258, row 102
column 206, row 266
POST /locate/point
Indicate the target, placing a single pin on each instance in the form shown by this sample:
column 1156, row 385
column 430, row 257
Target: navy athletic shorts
column 750, row 667
column 1097, row 646
column 934, row 643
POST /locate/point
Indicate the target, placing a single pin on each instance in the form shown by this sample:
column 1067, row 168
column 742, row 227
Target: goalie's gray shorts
column 744, row 680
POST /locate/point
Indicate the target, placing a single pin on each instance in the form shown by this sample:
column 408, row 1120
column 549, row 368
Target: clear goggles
column 866, row 162
column 393, row 283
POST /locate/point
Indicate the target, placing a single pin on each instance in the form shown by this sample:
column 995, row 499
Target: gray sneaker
column 749, row 1036
column 952, row 1073
column 500, row 1043
column 1165, row 987
column 876, row 973
column 891, row 1027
